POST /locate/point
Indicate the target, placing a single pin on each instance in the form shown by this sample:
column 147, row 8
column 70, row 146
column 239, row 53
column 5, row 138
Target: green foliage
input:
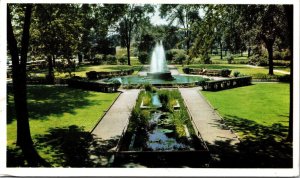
column 267, row 103
column 230, row 59
column 205, row 59
column 176, row 56
column 225, row 72
column 236, row 73
column 143, row 57
column 258, row 60
column 122, row 59
column 277, row 55
column 186, row 70
column 110, row 59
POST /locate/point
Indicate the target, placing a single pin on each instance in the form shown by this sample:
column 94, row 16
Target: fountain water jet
column 158, row 66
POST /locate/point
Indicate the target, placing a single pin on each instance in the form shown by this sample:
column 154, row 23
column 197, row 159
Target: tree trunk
column 270, row 52
column 221, row 50
column 128, row 54
column 50, row 76
column 289, row 15
column 20, row 90
column 249, row 51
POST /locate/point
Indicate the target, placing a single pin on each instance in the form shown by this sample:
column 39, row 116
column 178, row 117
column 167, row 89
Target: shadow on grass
column 261, row 147
column 44, row 101
column 69, row 147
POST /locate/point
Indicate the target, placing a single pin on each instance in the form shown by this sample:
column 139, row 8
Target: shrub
column 111, row 59
column 98, row 59
column 258, row 60
column 92, row 75
column 148, row 87
column 122, row 60
column 164, row 99
column 205, row 59
column 225, row 72
column 179, row 58
column 230, row 59
column 143, row 57
column 175, row 55
column 236, row 73
column 116, row 84
column 277, row 55
column 186, row 70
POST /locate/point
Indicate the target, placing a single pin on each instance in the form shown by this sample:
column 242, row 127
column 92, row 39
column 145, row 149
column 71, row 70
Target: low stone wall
column 226, row 83
column 209, row 72
column 93, row 86
column 93, row 75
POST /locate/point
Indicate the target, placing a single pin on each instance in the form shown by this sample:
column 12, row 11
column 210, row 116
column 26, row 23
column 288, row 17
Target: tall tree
column 268, row 23
column 134, row 15
column 288, row 9
column 185, row 16
column 24, row 139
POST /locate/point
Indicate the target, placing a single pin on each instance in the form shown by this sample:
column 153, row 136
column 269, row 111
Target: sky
column 156, row 20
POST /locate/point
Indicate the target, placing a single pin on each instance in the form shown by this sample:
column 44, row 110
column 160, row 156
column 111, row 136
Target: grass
column 243, row 69
column 81, row 70
column 261, row 104
column 52, row 107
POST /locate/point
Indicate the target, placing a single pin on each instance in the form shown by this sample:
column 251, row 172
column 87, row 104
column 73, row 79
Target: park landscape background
column 68, row 40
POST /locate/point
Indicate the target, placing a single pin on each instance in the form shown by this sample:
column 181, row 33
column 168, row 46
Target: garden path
column 208, row 122
column 275, row 70
column 112, row 125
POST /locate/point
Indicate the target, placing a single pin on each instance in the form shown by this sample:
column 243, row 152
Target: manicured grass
column 263, row 104
column 53, row 107
column 243, row 69
column 81, row 70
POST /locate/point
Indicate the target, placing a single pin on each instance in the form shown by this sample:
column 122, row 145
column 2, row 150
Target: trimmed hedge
column 93, row 75
column 226, row 83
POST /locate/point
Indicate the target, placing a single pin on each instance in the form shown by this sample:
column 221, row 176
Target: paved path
column 206, row 119
column 275, row 70
column 115, row 120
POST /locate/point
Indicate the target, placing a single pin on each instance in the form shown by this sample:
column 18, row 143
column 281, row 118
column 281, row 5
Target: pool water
column 177, row 79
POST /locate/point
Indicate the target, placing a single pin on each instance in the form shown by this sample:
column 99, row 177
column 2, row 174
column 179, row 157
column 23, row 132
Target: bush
column 175, row 55
column 277, row 55
column 205, row 59
column 225, row 72
column 258, row 60
column 230, row 59
column 92, row 75
column 236, row 73
column 122, row 60
column 186, row 70
column 179, row 58
column 111, row 59
column 143, row 57
column 98, row 59
column 148, row 87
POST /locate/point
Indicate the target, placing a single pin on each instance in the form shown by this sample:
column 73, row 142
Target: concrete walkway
column 111, row 127
column 207, row 121
column 275, row 70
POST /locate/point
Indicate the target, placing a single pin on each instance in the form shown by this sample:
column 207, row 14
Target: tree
column 288, row 9
column 19, row 86
column 267, row 22
column 134, row 15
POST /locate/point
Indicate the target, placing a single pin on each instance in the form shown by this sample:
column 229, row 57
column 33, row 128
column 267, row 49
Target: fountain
column 158, row 66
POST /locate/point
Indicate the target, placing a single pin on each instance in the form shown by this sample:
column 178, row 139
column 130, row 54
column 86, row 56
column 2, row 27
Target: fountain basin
column 160, row 75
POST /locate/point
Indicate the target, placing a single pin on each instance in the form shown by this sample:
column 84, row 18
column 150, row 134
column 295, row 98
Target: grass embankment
column 243, row 69
column 53, row 110
column 262, row 108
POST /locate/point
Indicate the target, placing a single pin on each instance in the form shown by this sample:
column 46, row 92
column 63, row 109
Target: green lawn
column 81, row 70
column 253, row 108
column 243, row 69
column 57, row 108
